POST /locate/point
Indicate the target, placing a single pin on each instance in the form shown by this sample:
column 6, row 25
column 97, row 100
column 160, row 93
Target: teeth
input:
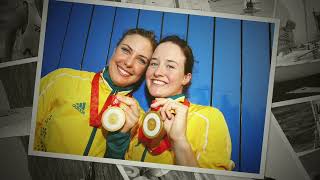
column 123, row 72
column 158, row 82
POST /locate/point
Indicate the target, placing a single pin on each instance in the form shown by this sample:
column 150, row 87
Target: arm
column 47, row 93
column 118, row 142
column 175, row 125
column 184, row 154
column 214, row 149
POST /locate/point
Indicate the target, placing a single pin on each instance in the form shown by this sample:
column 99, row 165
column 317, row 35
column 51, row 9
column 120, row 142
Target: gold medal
column 113, row 119
column 153, row 125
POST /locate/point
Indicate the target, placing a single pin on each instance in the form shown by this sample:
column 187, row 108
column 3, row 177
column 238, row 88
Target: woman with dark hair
column 176, row 131
column 72, row 103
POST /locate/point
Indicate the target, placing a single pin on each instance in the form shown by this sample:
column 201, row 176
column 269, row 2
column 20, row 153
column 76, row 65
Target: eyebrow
column 169, row 60
column 140, row 55
column 128, row 47
column 143, row 57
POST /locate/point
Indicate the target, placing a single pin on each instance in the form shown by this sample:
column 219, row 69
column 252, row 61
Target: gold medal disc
column 152, row 125
column 113, row 119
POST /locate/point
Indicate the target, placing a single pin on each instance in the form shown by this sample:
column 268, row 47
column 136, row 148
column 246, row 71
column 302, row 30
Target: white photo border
column 291, row 151
column 18, row 62
column 259, row 175
column 284, row 138
column 295, row 101
column 12, row 129
column 123, row 172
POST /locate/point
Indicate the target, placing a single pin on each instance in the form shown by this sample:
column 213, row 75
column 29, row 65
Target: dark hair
column 142, row 32
column 185, row 48
column 187, row 51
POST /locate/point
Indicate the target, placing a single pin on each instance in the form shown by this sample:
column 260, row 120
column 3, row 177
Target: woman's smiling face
column 130, row 60
column 165, row 75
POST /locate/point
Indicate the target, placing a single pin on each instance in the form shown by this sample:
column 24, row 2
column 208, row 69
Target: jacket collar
column 178, row 97
column 108, row 81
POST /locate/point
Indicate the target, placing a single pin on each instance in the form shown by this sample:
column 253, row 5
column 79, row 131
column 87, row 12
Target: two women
column 195, row 135
column 69, row 116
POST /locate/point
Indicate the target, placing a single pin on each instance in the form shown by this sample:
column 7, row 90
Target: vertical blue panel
column 149, row 20
column 125, row 19
column 57, row 21
column 200, row 39
column 227, row 78
column 99, row 38
column 75, row 40
column 255, row 78
column 174, row 24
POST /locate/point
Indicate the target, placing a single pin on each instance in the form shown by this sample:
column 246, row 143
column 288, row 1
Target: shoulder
column 205, row 110
column 207, row 113
column 211, row 118
column 65, row 77
column 67, row 73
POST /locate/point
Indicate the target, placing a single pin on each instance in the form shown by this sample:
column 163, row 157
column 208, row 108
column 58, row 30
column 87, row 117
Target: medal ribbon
column 164, row 143
column 95, row 117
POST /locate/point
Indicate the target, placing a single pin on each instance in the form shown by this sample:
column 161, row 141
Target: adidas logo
column 80, row 107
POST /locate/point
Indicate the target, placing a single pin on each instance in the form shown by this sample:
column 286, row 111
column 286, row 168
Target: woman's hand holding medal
column 131, row 109
column 174, row 114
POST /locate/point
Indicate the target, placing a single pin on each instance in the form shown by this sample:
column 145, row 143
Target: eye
column 142, row 61
column 153, row 64
column 125, row 50
column 170, row 67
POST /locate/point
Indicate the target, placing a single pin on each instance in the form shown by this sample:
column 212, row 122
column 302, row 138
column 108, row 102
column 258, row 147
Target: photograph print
column 20, row 22
column 146, row 173
column 297, row 73
column 135, row 86
column 300, row 123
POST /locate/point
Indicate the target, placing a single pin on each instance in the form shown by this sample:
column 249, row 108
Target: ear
column 186, row 79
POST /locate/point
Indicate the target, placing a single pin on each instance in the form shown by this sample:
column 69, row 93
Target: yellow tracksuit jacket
column 208, row 135
column 62, row 122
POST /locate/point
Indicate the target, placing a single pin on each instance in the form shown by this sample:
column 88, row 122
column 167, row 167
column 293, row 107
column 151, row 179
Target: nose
column 130, row 61
column 158, row 71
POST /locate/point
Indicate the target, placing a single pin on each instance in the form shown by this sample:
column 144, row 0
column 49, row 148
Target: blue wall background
column 231, row 70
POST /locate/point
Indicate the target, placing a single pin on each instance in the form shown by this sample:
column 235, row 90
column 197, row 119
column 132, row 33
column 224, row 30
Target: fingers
column 168, row 110
column 125, row 108
column 131, row 118
column 159, row 102
column 131, row 109
column 131, row 104
column 172, row 108
column 127, row 100
column 167, row 125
